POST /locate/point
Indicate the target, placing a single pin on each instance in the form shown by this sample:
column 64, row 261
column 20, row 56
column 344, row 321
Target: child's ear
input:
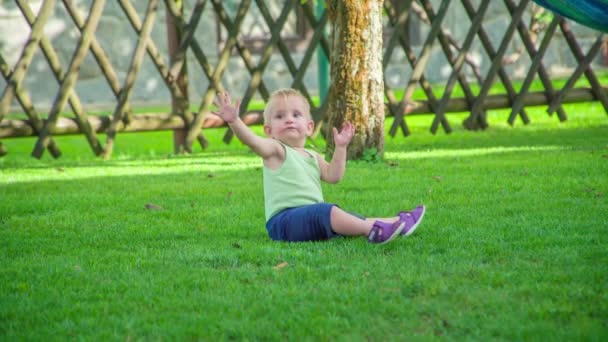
column 310, row 127
column 267, row 130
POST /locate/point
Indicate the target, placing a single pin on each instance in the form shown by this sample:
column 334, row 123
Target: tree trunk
column 357, row 88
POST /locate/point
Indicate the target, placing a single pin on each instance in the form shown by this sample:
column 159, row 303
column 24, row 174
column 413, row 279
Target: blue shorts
column 307, row 223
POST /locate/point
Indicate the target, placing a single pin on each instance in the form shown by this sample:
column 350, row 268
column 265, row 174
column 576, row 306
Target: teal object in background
column 591, row 13
column 322, row 60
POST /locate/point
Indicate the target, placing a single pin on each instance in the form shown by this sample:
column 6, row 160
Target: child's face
column 290, row 121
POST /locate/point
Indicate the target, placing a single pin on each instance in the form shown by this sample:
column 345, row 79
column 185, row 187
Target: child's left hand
column 343, row 138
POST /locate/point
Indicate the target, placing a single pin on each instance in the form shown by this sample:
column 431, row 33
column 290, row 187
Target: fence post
column 174, row 35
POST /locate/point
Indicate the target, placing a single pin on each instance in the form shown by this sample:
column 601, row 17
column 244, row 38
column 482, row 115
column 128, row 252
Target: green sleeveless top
column 296, row 183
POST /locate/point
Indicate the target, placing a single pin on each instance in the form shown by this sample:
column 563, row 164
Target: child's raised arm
column 334, row 171
column 264, row 147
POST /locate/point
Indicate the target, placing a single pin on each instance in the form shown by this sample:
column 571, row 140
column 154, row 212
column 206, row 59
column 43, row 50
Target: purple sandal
column 383, row 232
column 411, row 219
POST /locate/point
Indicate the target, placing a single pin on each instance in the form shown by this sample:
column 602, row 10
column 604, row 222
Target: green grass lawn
column 513, row 246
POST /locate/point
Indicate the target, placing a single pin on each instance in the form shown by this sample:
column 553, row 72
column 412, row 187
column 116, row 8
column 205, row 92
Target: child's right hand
column 343, row 138
column 225, row 109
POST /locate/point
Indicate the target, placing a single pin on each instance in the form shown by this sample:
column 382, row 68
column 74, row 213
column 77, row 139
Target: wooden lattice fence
column 181, row 25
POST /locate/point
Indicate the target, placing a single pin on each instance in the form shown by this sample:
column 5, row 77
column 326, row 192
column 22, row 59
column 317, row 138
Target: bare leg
column 347, row 224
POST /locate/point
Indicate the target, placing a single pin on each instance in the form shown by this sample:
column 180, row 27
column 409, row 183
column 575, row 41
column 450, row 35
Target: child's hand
column 343, row 138
column 225, row 109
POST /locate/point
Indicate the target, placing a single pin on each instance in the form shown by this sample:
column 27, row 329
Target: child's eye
column 297, row 114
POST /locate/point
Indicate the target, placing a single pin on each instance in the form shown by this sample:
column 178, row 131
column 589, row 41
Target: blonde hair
column 285, row 92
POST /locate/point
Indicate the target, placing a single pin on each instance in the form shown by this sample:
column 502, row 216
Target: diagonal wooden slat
column 597, row 89
column 55, row 65
column 297, row 73
column 50, row 54
column 187, row 34
column 66, row 87
column 243, row 51
column 502, row 74
column 231, row 42
column 280, row 45
column 179, row 98
column 256, row 77
column 319, row 40
column 157, row 60
column 476, row 117
column 98, row 53
column 446, row 44
column 399, row 27
column 189, row 41
column 424, row 83
column 421, row 63
column 298, row 77
column 282, row 48
column 214, row 75
column 275, row 32
column 578, row 72
column 319, row 23
column 285, row 53
column 28, row 107
column 536, row 61
column 297, row 67
column 16, row 77
column 180, row 35
column 458, row 63
column 123, row 97
column 530, row 46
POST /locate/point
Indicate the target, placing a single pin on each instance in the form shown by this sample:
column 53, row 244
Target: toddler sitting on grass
column 293, row 200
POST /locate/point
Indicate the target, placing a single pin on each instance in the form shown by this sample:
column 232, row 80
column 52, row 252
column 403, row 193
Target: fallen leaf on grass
column 281, row 265
column 438, row 178
column 60, row 169
column 151, row 206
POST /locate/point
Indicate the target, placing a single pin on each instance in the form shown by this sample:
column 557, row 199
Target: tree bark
column 357, row 88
